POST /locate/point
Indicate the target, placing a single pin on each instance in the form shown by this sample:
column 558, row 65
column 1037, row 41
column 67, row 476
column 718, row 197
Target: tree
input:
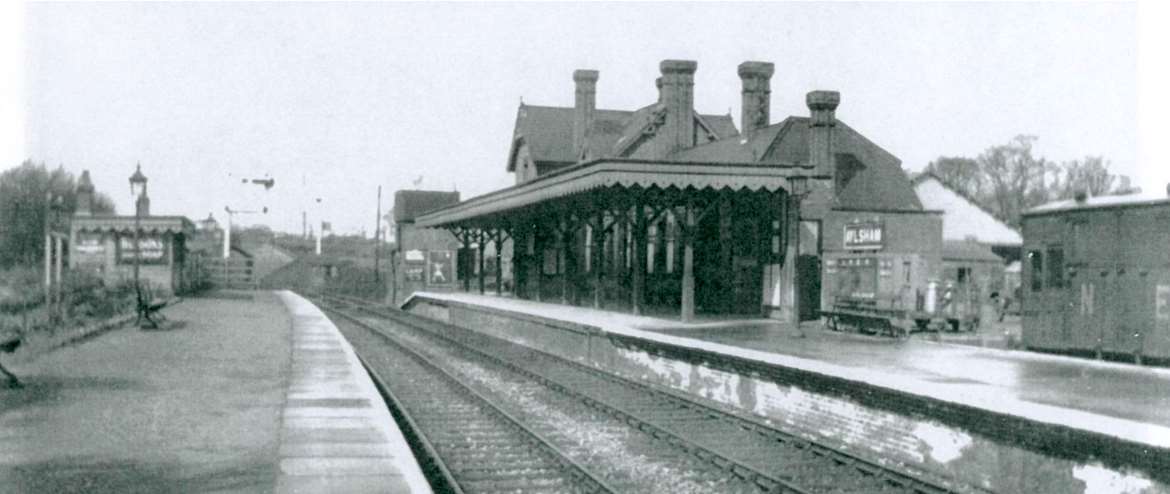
column 1008, row 179
column 962, row 174
column 23, row 194
column 1091, row 175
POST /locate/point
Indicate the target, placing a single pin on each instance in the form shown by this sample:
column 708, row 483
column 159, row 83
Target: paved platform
column 337, row 435
column 252, row 394
column 1118, row 400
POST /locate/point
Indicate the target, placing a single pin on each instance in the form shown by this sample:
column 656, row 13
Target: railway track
column 726, row 443
column 472, row 444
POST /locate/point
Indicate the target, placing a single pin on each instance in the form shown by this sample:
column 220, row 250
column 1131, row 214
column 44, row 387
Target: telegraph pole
column 378, row 238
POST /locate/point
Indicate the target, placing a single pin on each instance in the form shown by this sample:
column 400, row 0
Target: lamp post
column 800, row 189
column 137, row 189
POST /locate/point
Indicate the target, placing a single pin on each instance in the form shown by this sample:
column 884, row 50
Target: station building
column 664, row 210
column 104, row 245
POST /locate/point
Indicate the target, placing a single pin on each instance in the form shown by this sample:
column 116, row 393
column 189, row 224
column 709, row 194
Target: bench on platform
column 9, row 342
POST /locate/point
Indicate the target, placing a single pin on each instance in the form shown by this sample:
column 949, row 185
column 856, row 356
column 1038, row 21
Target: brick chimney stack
column 821, row 106
column 142, row 205
column 678, row 95
column 84, row 195
column 757, row 91
column 586, row 102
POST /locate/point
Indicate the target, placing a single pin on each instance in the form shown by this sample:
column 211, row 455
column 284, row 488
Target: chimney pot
column 1081, row 196
column 678, row 67
column 84, row 195
column 822, row 105
column 756, row 69
column 142, row 205
column 756, row 96
column 585, row 75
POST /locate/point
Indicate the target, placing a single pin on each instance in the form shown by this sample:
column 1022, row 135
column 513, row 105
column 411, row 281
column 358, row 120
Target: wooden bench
column 8, row 344
column 150, row 309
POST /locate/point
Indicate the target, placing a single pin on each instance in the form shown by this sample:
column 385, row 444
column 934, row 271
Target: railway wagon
column 1096, row 278
column 886, row 276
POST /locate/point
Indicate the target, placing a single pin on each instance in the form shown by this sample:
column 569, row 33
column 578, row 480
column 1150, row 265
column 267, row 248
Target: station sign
column 414, row 256
column 864, row 235
column 440, row 267
column 90, row 244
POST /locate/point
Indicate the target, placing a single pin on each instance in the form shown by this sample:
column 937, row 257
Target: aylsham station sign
column 864, row 235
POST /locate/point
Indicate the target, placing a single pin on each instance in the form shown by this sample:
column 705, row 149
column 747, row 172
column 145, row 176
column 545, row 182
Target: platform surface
column 1120, row 400
column 193, row 408
column 337, row 435
column 240, row 394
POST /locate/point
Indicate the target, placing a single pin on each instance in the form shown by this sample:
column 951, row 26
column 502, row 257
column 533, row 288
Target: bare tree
column 960, row 173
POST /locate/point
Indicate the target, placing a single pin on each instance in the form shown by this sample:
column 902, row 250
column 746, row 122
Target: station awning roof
column 125, row 224
column 609, row 172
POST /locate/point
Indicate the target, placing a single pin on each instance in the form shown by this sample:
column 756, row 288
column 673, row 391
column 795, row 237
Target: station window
column 1037, row 260
column 963, row 275
column 1055, row 267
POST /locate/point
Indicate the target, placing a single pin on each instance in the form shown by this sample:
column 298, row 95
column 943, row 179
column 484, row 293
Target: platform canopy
column 125, row 224
column 621, row 172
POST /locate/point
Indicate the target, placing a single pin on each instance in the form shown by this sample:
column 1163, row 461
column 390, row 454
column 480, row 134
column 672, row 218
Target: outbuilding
column 107, row 246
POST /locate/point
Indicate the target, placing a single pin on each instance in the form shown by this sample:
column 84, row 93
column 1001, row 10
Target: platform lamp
column 799, row 189
column 137, row 189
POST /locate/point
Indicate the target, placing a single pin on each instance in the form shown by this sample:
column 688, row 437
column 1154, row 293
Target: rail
column 748, row 448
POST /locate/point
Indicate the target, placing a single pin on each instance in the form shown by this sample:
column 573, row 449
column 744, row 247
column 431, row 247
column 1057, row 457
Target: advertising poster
column 414, row 266
column 90, row 244
column 440, row 267
column 151, row 250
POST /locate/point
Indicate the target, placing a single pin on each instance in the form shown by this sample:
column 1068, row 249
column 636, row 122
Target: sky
column 334, row 99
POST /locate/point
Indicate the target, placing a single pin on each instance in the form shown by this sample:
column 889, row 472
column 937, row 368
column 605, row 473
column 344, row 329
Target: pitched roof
column 548, row 131
column 964, row 218
column 879, row 182
column 409, row 204
column 1113, row 201
column 963, row 250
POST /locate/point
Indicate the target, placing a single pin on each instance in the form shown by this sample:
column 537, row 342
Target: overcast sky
column 334, row 99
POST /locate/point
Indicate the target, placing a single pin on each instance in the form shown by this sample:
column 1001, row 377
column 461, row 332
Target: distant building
column 977, row 246
column 105, row 246
column 965, row 220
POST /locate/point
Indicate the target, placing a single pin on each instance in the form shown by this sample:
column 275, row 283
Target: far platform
column 245, row 392
column 1124, row 401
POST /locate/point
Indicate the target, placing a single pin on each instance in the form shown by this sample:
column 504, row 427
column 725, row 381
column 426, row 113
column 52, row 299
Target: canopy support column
column 479, row 258
column 464, row 237
column 727, row 269
column 498, row 242
column 688, row 277
column 639, row 250
column 537, row 262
